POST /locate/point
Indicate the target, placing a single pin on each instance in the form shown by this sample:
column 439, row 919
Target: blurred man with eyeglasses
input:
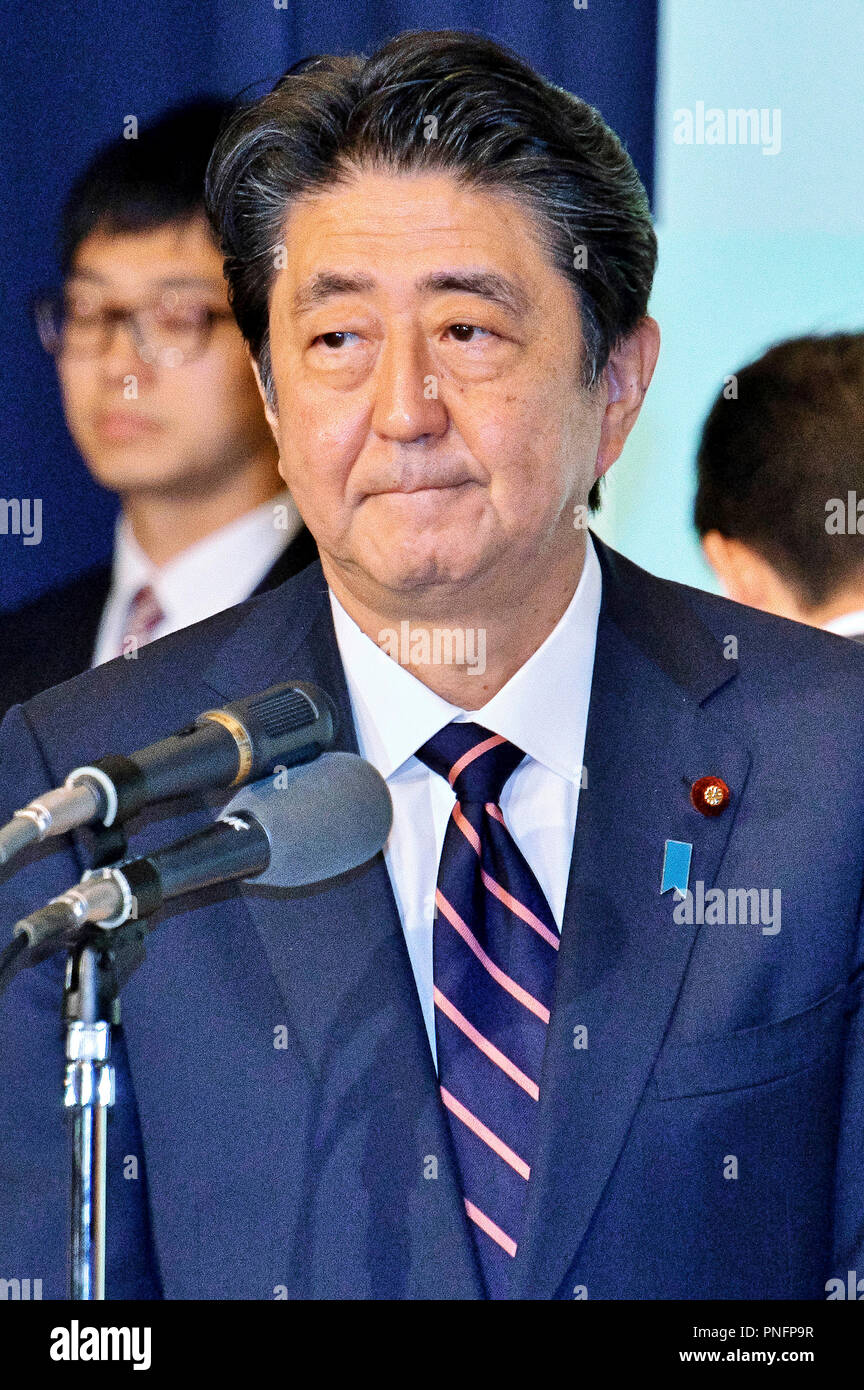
column 161, row 402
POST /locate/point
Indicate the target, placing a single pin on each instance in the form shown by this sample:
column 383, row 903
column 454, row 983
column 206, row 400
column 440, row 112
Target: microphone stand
column 98, row 965
column 88, row 1092
column 101, row 958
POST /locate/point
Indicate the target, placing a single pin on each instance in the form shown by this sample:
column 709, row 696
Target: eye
column 180, row 319
column 80, row 308
column 334, row 340
column 463, row 332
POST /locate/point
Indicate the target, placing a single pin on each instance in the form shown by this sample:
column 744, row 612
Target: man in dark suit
column 588, row 1027
column 161, row 402
column 780, row 501
column 53, row 638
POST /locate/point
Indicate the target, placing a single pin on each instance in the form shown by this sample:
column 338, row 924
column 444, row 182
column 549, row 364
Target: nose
column 120, row 357
column 407, row 405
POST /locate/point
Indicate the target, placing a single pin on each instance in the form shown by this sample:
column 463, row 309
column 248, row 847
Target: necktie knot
column 476, row 762
column 142, row 619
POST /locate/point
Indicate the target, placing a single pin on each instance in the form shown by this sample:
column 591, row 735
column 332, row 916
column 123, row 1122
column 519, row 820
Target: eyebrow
column 487, row 284
column 164, row 281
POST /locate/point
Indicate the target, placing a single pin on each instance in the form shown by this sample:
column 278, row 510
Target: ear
column 729, row 561
column 748, row 578
column 269, row 412
column 628, row 375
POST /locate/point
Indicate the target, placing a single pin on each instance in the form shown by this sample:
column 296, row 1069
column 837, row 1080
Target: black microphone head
column 321, row 818
column 288, row 724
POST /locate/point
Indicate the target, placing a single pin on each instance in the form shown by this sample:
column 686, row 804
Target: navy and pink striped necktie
column 142, row 619
column 495, row 945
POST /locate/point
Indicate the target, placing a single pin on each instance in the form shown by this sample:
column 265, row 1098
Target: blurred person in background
column 161, row 401
column 780, row 499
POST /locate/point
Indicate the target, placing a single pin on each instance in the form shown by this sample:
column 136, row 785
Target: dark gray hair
column 437, row 100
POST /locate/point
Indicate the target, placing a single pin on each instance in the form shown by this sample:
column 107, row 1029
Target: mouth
column 423, row 487
column 121, row 427
column 433, row 497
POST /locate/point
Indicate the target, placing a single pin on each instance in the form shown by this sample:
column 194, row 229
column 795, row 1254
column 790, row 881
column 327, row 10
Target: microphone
column 288, row 724
column 307, row 824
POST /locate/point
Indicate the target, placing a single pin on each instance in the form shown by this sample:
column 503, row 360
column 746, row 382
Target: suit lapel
column 339, row 960
column 623, row 958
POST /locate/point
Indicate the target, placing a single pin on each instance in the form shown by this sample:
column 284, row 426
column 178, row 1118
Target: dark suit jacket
column 51, row 639
column 275, row 1084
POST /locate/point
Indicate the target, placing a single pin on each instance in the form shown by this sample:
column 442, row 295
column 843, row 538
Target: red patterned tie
column 142, row 620
column 495, row 945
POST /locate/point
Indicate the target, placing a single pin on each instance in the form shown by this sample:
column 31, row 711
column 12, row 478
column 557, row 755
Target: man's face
column 426, row 358
column 144, row 426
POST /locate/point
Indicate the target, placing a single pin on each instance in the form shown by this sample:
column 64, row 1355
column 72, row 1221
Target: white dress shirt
column 847, row 625
column 222, row 569
column 543, row 709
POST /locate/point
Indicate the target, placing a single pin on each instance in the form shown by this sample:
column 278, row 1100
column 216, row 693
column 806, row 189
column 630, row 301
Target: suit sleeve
column 34, row 1145
column 848, row 1249
column 50, row 868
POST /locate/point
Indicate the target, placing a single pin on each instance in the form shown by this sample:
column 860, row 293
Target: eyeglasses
column 166, row 331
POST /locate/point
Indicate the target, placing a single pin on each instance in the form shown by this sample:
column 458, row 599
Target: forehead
column 175, row 252
column 395, row 224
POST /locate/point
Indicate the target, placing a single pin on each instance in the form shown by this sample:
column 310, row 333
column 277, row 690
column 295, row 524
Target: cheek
column 228, row 379
column 204, row 400
column 528, row 453
column 201, row 390
column 319, row 442
column 77, row 388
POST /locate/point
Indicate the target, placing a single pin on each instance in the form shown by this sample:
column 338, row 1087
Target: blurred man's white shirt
column 222, row 569
column 847, row 625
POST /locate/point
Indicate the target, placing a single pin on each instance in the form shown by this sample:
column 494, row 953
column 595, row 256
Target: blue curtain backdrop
column 73, row 70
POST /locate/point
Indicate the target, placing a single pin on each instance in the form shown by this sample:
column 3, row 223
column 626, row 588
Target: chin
column 423, row 566
column 131, row 479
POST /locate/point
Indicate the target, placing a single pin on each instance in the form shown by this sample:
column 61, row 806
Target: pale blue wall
column 753, row 247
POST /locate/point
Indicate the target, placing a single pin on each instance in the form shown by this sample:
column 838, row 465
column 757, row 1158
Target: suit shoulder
column 773, row 654
column 162, row 671
column 60, row 601
column 50, row 638
column 779, row 658
column 783, row 636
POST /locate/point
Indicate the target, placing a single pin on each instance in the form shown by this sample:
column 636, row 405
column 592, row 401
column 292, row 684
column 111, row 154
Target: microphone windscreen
column 321, row 818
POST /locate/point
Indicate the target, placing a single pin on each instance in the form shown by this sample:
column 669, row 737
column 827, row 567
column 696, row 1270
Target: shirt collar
column 543, row 708
column 132, row 568
column 216, row 571
column 847, row 624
